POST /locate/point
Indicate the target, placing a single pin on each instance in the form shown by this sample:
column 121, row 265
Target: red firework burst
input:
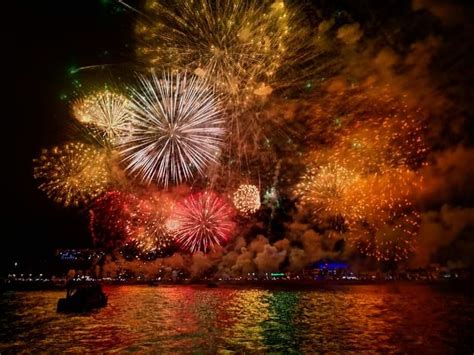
column 126, row 220
column 150, row 237
column 201, row 222
column 112, row 218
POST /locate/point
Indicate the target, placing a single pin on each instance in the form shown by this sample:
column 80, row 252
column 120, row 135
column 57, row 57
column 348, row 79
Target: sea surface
column 194, row 319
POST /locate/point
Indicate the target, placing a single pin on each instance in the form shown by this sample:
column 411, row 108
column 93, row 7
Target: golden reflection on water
column 251, row 310
column 340, row 319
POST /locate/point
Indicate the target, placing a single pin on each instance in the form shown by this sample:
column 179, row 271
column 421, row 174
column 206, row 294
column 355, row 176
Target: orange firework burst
column 374, row 209
column 387, row 229
column 330, row 191
column 378, row 138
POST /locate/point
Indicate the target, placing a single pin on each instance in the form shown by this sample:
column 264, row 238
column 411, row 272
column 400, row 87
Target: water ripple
column 185, row 319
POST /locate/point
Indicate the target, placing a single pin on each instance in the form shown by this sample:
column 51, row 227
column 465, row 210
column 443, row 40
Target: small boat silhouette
column 82, row 298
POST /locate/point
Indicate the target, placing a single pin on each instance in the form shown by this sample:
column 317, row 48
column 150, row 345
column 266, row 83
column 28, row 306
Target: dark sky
column 45, row 40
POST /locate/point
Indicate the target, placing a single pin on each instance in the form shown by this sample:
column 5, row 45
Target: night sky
column 46, row 39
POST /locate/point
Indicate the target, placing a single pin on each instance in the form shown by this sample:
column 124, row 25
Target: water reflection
column 249, row 310
column 196, row 319
column 280, row 327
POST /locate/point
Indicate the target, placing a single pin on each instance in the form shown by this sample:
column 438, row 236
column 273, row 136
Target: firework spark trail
column 176, row 128
column 72, row 174
column 201, row 222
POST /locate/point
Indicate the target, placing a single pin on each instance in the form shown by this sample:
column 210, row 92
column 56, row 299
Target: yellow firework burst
column 105, row 114
column 239, row 45
column 72, row 174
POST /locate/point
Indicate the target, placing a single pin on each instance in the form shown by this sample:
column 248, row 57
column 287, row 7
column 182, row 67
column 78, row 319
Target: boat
column 82, row 298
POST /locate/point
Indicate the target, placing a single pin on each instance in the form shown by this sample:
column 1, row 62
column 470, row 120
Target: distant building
column 327, row 269
column 77, row 259
column 79, row 255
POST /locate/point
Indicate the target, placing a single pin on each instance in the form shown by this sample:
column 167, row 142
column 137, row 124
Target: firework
column 369, row 129
column 176, row 129
column 392, row 238
column 151, row 235
column 389, row 221
column 72, row 174
column 201, row 222
column 363, row 184
column 330, row 191
column 126, row 220
column 381, row 143
column 246, row 199
column 113, row 219
column 239, row 45
column 248, row 50
column 374, row 211
column 105, row 114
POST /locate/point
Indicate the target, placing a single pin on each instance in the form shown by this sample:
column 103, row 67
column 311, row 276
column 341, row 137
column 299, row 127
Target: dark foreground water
column 360, row 319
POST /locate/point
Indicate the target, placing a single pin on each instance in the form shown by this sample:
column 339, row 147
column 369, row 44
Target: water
column 368, row 319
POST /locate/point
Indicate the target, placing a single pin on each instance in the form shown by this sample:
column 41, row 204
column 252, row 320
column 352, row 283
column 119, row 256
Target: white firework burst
column 177, row 129
column 246, row 199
